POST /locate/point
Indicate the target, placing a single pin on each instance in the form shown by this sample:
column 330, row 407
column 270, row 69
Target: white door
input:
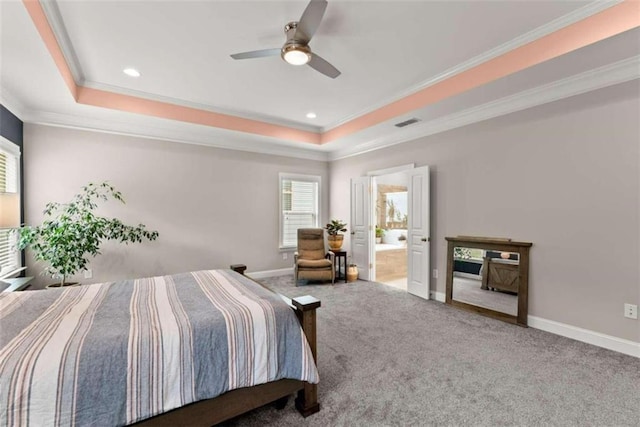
column 361, row 225
column 418, row 239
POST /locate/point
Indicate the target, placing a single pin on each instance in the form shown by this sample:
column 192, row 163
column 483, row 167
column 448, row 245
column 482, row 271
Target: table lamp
column 9, row 210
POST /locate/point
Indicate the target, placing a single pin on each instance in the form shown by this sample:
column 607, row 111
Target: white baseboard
column 438, row 296
column 270, row 273
column 609, row 342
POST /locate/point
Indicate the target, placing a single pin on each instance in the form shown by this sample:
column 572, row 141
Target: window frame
column 14, row 150
column 283, row 176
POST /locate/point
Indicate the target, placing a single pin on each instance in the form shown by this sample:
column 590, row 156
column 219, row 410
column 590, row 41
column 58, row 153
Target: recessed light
column 131, row 72
column 311, row 115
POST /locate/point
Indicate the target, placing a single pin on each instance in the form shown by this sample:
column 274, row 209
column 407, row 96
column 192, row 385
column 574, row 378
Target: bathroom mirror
column 489, row 276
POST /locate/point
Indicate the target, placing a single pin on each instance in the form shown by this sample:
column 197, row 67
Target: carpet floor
column 387, row 358
column 470, row 291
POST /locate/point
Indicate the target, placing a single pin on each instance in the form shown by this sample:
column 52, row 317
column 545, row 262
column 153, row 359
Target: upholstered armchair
column 312, row 260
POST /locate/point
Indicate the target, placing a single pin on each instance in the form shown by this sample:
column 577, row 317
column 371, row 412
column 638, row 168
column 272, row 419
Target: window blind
column 9, row 180
column 299, row 208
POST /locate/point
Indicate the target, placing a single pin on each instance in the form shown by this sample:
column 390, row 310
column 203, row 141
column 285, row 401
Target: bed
column 500, row 274
column 191, row 349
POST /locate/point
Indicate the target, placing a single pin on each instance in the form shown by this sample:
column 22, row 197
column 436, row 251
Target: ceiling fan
column 296, row 50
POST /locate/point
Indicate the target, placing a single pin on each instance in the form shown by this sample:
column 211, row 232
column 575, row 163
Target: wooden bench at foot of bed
column 236, row 402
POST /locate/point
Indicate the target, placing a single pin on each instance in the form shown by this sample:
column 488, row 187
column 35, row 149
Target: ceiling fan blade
column 257, row 53
column 321, row 65
column 310, row 20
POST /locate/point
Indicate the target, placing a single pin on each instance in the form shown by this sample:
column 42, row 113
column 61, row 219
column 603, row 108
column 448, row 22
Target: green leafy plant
column 73, row 232
column 336, row 227
column 379, row 232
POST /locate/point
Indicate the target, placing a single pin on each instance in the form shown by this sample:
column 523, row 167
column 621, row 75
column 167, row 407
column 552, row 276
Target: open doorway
column 391, row 224
column 414, row 241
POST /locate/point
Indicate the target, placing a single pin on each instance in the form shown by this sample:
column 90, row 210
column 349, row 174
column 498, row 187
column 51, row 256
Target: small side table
column 16, row 284
column 341, row 260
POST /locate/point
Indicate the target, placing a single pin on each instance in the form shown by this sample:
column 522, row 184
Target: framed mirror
column 489, row 276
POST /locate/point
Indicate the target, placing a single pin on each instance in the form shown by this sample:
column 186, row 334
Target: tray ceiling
column 385, row 50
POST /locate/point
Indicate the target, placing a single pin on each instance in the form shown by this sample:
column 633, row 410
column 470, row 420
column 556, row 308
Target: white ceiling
column 384, row 49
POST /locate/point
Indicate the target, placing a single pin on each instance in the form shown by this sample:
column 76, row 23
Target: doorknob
column 353, row 232
column 424, row 239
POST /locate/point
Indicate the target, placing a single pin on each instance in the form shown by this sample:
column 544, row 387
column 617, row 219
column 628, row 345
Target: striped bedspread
column 116, row 353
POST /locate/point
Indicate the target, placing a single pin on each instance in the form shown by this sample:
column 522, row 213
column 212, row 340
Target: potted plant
column 379, row 234
column 334, row 230
column 73, row 232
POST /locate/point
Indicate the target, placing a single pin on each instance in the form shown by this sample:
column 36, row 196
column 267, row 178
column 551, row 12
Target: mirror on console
column 489, row 276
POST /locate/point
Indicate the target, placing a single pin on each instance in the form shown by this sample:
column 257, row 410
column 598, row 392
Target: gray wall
column 564, row 176
column 212, row 207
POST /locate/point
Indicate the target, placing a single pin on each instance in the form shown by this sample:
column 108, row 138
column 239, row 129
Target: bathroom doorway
column 414, row 241
column 391, row 225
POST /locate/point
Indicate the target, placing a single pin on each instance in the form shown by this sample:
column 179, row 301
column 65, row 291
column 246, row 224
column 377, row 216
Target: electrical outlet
column 285, row 255
column 435, row 273
column 88, row 274
column 631, row 311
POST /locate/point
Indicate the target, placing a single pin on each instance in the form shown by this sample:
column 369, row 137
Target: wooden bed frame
column 236, row 402
column 503, row 275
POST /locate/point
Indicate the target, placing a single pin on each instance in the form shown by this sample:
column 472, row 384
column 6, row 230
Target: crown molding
column 203, row 107
column 608, row 75
column 615, row 73
column 548, row 28
column 201, row 135
column 52, row 12
column 12, row 103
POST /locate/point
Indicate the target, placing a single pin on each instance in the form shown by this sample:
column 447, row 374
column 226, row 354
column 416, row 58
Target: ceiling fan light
column 296, row 55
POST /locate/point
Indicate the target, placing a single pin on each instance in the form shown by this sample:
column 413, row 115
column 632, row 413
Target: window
column 299, row 204
column 10, row 193
column 468, row 254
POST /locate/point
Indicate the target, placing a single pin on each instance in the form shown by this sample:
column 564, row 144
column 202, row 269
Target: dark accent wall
column 10, row 126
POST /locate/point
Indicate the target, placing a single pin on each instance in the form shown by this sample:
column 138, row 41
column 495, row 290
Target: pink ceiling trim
column 132, row 104
column 608, row 23
column 48, row 37
column 600, row 26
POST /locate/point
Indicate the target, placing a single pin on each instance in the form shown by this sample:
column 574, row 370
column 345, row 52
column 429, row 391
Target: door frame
column 372, row 208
